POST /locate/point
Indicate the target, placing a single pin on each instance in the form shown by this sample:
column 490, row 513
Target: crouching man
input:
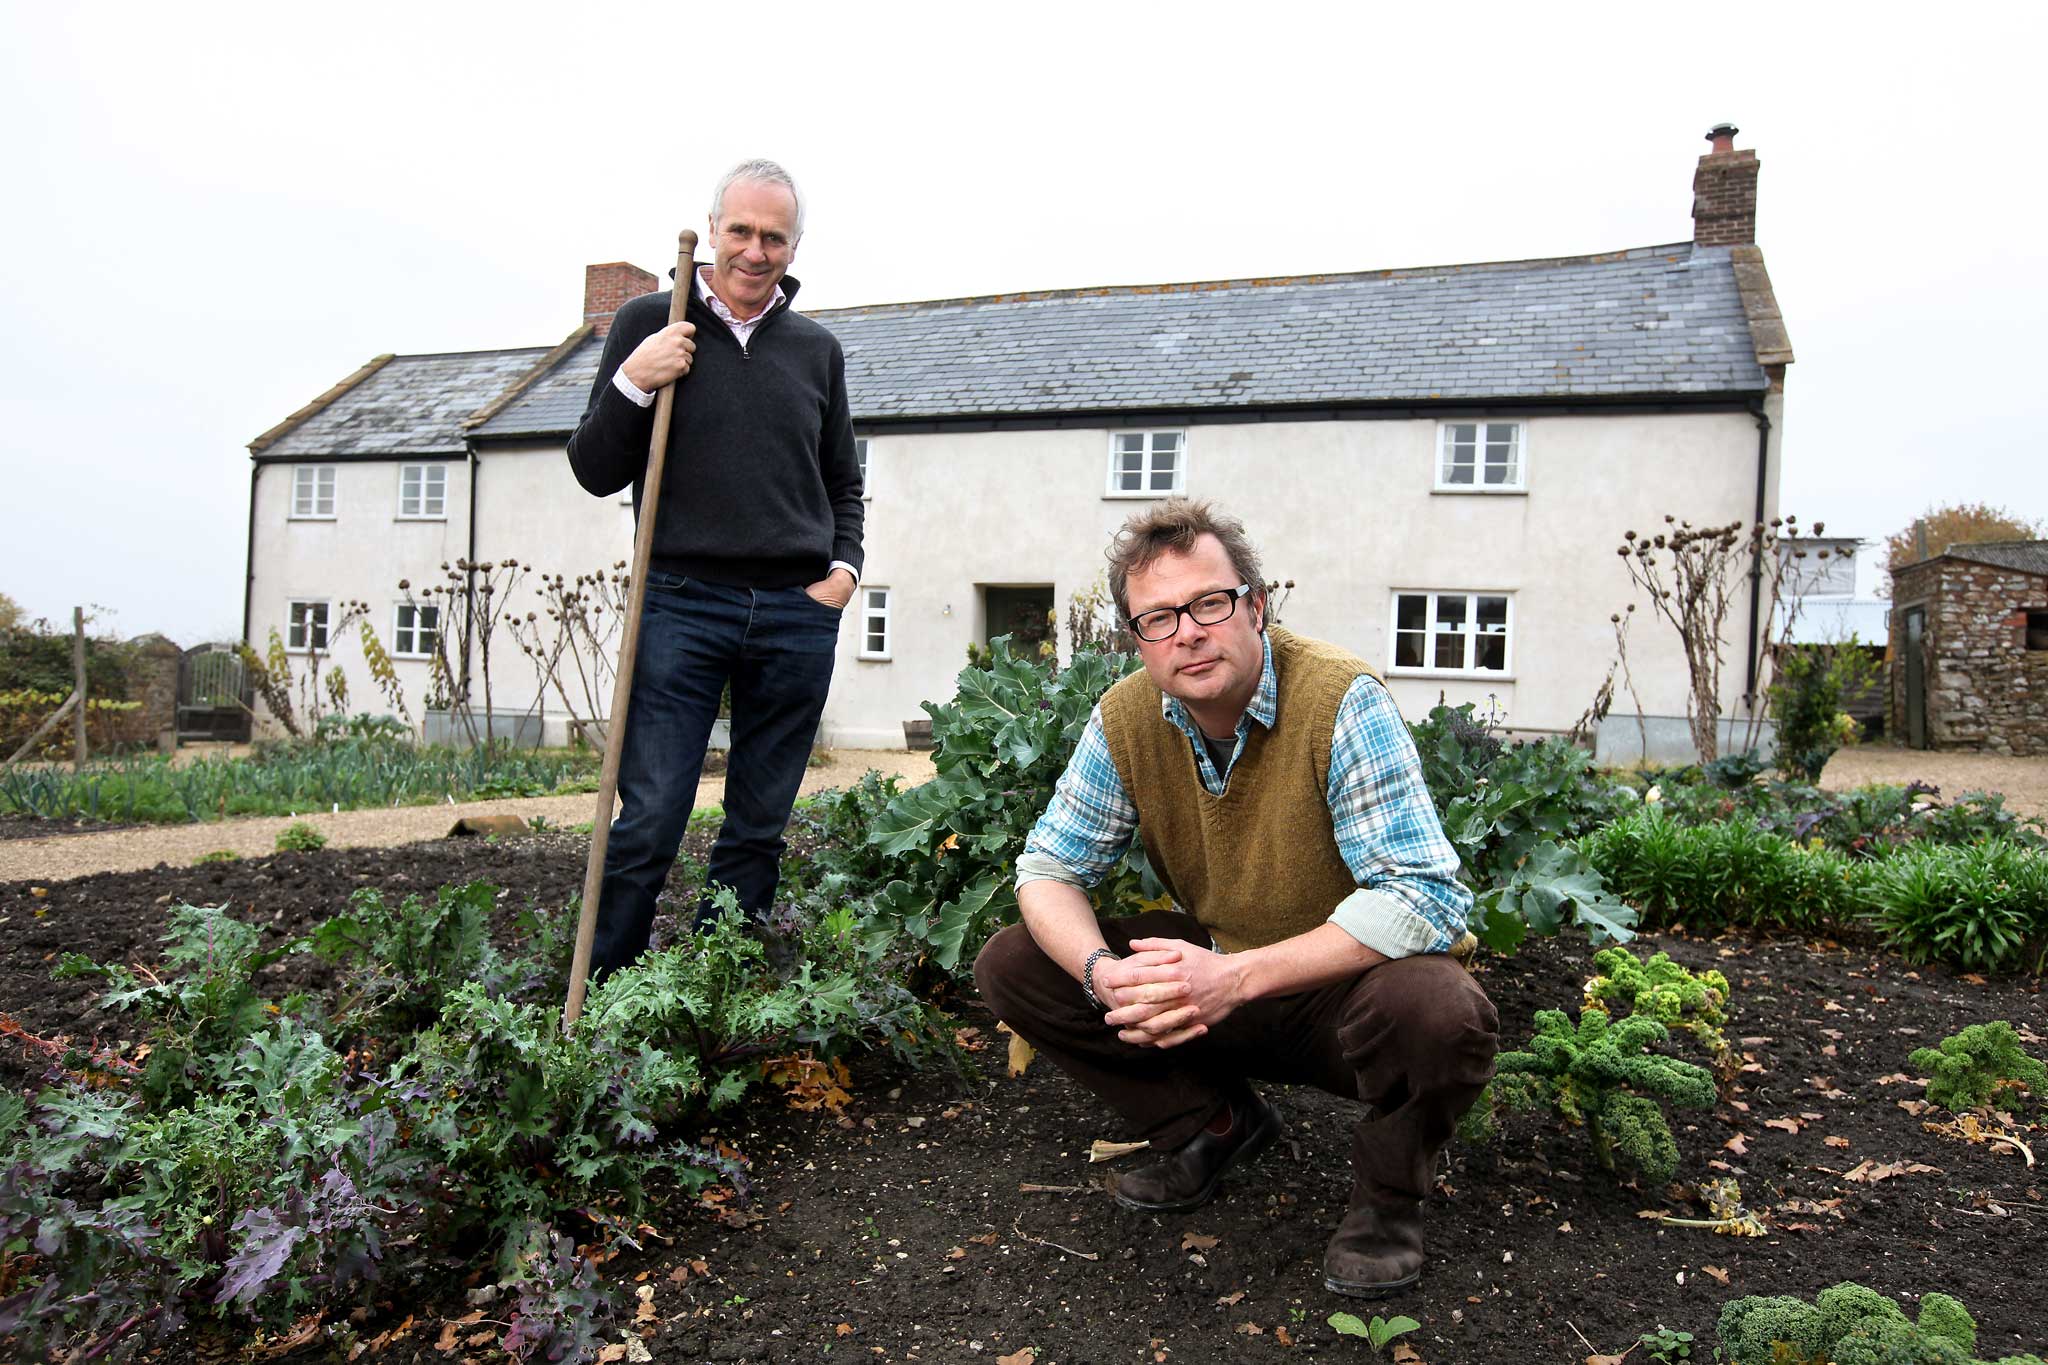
column 1281, row 802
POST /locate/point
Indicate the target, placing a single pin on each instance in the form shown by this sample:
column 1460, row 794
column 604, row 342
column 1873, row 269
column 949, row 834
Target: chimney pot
column 1722, row 135
column 608, row 287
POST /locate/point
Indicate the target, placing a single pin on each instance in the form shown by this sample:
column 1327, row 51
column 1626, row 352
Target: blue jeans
column 775, row 646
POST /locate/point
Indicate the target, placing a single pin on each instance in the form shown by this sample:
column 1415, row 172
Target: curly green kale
column 1942, row 1315
column 1970, row 1068
column 1663, row 990
column 1600, row 1074
column 1750, row 1327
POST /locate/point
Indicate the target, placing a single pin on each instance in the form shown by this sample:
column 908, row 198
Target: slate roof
column 2025, row 556
column 408, row 405
column 553, row 404
column 1654, row 322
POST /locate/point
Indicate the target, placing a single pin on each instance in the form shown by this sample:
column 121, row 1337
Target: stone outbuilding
column 1969, row 649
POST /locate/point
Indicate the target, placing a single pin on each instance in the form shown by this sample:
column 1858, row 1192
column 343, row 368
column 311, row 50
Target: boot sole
column 1256, row 1144
column 1353, row 1290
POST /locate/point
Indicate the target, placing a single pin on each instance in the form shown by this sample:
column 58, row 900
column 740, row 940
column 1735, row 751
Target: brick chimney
column 1724, row 193
column 606, row 288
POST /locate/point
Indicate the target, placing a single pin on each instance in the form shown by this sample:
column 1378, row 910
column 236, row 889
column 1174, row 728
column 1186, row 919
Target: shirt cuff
column 1383, row 923
column 639, row 397
column 842, row 564
column 1033, row 866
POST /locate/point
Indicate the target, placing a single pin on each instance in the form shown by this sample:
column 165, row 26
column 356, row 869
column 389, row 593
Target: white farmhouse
column 1443, row 460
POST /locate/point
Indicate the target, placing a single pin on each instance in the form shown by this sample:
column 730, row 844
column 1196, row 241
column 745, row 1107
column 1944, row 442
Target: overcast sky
column 219, row 211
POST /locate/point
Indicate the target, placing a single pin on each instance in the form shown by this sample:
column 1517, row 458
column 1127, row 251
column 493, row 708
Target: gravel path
column 2024, row 781
column 62, row 857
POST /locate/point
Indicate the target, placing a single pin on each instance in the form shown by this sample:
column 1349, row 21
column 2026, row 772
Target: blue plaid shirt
column 1409, row 899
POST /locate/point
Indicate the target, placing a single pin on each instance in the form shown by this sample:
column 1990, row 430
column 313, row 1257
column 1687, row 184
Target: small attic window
column 2037, row 630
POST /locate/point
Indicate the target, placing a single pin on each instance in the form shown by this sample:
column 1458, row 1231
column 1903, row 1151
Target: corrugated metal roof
column 412, row 405
column 2027, row 556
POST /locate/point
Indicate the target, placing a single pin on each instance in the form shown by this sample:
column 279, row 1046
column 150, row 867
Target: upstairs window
column 1147, row 464
column 415, row 630
column 874, row 623
column 423, row 491
column 860, row 453
column 1453, row 632
column 1481, row 457
column 313, row 491
column 306, row 626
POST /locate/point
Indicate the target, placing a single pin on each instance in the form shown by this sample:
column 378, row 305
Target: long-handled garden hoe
column 629, row 646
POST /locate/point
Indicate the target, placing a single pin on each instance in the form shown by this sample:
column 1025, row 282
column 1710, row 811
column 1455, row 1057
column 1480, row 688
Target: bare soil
column 950, row 1217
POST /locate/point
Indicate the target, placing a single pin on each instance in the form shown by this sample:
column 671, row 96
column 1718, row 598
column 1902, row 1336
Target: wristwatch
column 1088, row 975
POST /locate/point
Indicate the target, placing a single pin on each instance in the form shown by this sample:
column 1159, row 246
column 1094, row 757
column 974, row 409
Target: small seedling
column 300, row 837
column 219, row 855
column 1377, row 1333
column 1666, row 1346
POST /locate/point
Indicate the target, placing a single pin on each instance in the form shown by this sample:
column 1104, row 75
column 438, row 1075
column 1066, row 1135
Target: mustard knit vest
column 1259, row 863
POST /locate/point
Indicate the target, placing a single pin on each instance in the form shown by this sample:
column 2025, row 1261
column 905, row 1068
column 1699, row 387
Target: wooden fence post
column 78, row 745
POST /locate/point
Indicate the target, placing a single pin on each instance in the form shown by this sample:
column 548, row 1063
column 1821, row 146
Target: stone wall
column 1985, row 689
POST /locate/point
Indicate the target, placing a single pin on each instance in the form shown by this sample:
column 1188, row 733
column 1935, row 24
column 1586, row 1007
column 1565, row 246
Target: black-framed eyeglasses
column 1210, row 609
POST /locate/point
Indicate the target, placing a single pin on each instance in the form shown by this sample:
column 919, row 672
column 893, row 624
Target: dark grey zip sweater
column 761, row 488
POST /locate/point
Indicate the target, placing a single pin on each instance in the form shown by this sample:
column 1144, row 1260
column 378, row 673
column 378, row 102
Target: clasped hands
column 1167, row 992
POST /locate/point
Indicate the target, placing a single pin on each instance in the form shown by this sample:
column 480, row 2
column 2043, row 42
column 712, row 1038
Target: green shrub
column 300, row 837
column 1977, row 907
column 219, row 855
column 1805, row 701
column 1601, row 1075
column 1727, row 873
column 1974, row 1068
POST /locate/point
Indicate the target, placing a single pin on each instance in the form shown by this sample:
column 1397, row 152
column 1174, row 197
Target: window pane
column 1411, row 611
column 1493, row 613
column 1409, row 647
column 1502, row 433
column 878, row 598
column 1162, row 480
column 1131, row 443
column 1450, row 611
column 1492, row 652
column 1132, row 461
column 1450, row 651
column 1461, row 433
column 1460, row 471
column 1165, row 442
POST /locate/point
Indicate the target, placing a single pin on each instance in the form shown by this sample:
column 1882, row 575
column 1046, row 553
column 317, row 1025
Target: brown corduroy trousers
column 1413, row 1039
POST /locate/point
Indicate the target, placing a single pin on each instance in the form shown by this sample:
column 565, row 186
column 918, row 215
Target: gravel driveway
column 62, row 857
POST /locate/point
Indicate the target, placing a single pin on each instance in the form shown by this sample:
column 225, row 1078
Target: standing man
column 1280, row 800
column 757, row 549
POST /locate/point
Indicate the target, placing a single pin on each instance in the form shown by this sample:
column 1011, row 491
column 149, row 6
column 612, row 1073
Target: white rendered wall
column 1347, row 510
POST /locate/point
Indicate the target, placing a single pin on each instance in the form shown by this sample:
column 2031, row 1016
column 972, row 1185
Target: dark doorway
column 1916, row 677
column 1023, row 614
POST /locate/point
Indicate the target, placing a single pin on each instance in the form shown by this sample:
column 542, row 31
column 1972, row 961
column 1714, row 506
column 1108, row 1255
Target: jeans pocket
column 658, row 581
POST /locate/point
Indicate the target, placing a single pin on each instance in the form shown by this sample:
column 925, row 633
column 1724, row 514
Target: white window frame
column 1482, row 434
column 400, row 630
column 1433, row 626
column 870, row 613
column 420, row 511
column 307, row 480
column 860, row 455
column 298, row 626
column 1149, row 447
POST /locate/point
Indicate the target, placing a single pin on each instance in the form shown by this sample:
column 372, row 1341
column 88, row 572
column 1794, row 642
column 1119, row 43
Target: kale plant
column 1978, row 1067
column 1662, row 990
column 1600, row 1075
column 1848, row 1324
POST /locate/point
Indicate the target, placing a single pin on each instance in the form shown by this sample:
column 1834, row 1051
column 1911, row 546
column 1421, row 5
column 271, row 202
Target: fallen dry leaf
column 1021, row 1054
column 956, row 1253
column 1280, row 1335
column 1720, row 1275
column 1737, row 1144
column 1784, row 1125
column 1103, row 1150
column 1870, row 1172
column 1196, row 1241
column 615, row 1351
column 1230, row 1300
column 844, row 1329
column 1835, row 1141
column 1249, row 1329
column 1024, row 1357
column 450, row 1338
column 986, row 1239
column 1607, row 1360
column 1642, row 1213
column 1404, row 1354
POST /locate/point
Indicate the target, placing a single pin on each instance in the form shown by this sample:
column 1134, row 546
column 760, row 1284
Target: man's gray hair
column 759, row 171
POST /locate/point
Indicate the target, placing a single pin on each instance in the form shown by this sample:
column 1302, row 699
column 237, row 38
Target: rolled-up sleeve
column 1409, row 899
column 1087, row 826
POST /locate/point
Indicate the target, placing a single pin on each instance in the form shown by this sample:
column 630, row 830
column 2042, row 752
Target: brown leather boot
column 1187, row 1177
column 1377, row 1250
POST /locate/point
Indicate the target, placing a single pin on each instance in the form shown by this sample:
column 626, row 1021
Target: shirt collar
column 1264, row 707
column 725, row 314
